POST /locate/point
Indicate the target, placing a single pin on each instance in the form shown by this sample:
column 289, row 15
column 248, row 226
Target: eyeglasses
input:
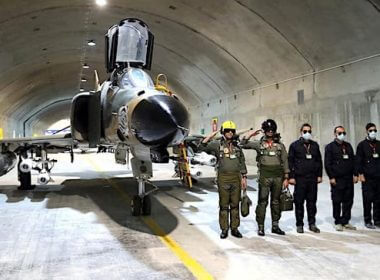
column 372, row 130
column 340, row 133
column 229, row 130
column 306, row 131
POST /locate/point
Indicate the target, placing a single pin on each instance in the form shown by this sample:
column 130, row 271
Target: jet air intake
column 160, row 120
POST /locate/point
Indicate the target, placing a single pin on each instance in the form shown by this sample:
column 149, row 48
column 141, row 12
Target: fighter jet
column 126, row 112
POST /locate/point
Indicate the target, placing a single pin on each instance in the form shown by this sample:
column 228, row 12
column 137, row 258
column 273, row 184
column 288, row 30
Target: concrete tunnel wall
column 210, row 51
column 347, row 95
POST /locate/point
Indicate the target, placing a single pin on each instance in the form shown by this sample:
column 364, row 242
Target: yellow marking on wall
column 191, row 264
column 1, row 133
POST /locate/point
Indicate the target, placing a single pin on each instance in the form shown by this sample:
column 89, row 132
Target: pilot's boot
column 261, row 231
column 277, row 230
column 236, row 233
column 314, row 228
column 224, row 234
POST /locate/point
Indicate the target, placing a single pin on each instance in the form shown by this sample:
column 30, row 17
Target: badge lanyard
column 373, row 146
column 270, row 143
column 344, row 151
column 308, row 154
column 374, row 154
column 307, row 147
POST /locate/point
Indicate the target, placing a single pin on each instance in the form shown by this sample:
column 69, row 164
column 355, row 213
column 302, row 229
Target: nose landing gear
column 141, row 204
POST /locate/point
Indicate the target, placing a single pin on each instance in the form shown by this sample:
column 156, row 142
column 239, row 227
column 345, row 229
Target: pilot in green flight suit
column 231, row 176
column 273, row 167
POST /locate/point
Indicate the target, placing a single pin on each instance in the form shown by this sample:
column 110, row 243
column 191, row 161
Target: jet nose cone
column 160, row 120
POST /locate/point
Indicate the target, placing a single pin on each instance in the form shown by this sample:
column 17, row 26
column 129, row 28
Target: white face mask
column 341, row 137
column 372, row 135
column 306, row 136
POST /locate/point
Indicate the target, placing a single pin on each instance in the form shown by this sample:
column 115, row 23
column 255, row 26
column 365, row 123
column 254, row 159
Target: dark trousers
column 342, row 196
column 306, row 189
column 371, row 198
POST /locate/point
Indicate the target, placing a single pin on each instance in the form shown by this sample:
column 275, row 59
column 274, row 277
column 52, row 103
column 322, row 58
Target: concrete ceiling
column 208, row 49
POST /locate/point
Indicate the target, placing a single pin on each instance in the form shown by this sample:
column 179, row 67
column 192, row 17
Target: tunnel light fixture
column 86, row 66
column 91, row 43
column 101, row 3
column 83, row 80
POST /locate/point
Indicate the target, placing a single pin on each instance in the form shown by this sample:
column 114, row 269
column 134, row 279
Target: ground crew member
column 368, row 167
column 231, row 176
column 273, row 167
column 340, row 165
column 305, row 163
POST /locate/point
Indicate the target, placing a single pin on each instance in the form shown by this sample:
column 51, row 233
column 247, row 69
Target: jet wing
column 64, row 142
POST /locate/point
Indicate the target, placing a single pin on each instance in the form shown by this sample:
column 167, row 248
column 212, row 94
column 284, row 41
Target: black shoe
column 377, row 224
column 277, row 230
column 236, row 233
column 300, row 229
column 260, row 231
column 314, row 228
column 224, row 234
column 370, row 226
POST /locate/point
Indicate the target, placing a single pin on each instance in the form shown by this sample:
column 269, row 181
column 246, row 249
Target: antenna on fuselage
column 97, row 83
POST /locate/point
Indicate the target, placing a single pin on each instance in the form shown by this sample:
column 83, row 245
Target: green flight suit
column 273, row 168
column 231, row 166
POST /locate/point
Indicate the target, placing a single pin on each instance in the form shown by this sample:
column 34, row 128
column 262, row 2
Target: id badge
column 309, row 156
column 375, row 155
column 232, row 156
column 345, row 157
column 272, row 153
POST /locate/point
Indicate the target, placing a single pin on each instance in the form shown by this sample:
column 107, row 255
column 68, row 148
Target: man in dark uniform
column 305, row 163
column 272, row 161
column 231, row 176
column 339, row 165
column 368, row 167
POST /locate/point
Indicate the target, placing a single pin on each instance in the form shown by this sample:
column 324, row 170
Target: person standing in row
column 340, row 167
column 272, row 161
column 368, row 167
column 305, row 163
column 231, row 176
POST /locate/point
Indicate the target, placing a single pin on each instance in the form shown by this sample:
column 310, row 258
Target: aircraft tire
column 146, row 206
column 136, row 205
column 25, row 179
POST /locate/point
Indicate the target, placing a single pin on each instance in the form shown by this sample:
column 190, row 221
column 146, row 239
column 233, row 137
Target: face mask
column 372, row 135
column 341, row 137
column 306, row 136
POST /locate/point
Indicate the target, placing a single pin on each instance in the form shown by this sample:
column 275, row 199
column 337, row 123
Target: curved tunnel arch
column 209, row 49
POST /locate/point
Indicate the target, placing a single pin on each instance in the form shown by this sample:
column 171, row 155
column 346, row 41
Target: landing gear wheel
column 136, row 205
column 146, row 206
column 25, row 179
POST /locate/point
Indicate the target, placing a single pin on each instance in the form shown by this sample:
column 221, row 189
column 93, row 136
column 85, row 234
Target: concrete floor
column 80, row 227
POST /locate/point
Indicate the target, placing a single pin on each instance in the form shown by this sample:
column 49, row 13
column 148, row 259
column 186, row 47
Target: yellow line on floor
column 195, row 268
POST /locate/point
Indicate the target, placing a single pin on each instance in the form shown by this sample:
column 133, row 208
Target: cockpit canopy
column 135, row 77
column 129, row 42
